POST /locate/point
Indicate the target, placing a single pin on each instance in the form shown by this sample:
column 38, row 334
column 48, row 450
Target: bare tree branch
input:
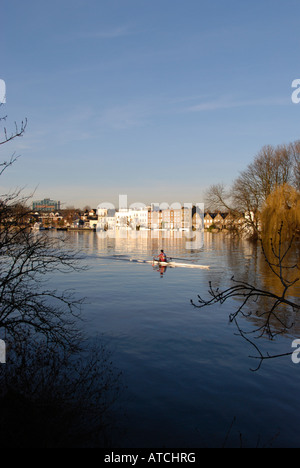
column 4, row 165
column 19, row 131
column 270, row 322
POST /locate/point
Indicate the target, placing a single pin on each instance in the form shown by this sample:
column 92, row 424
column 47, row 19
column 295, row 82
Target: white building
column 106, row 218
column 142, row 217
column 101, row 212
column 172, row 219
column 132, row 218
column 106, row 223
column 124, row 218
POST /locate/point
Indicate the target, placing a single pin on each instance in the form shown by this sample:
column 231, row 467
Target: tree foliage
column 280, row 213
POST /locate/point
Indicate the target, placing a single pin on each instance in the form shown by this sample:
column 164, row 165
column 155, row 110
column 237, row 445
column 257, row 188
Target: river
column 186, row 372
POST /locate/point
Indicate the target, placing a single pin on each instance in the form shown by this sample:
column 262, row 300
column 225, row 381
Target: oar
column 185, row 259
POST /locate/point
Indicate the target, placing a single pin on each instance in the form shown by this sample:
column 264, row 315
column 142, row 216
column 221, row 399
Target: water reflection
column 141, row 244
column 228, row 257
column 186, row 371
column 247, row 261
column 161, row 269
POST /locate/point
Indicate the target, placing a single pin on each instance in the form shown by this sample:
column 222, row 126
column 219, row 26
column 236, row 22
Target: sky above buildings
column 153, row 99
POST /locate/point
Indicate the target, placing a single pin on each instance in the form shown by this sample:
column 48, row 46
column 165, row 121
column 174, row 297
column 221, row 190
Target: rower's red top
column 162, row 257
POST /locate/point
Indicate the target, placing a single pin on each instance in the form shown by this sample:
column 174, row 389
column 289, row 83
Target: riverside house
column 217, row 220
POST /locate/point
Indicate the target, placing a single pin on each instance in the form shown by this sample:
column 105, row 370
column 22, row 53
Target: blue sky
column 153, row 99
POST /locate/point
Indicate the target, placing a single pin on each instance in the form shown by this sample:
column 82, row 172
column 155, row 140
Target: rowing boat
column 161, row 264
column 178, row 265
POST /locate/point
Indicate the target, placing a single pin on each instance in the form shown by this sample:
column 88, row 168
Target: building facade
column 168, row 219
column 46, row 205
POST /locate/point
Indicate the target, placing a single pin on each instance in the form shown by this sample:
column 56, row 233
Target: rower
column 162, row 257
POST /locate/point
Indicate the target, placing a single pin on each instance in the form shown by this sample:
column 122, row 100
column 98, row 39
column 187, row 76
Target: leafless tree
column 25, row 260
column 269, row 311
column 218, row 198
column 18, row 131
column 69, row 214
column 271, row 168
column 54, row 390
column 26, row 301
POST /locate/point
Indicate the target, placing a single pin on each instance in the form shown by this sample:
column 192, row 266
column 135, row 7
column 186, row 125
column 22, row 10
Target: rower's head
column 162, row 251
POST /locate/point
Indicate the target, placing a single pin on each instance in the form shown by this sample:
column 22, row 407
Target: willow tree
column 268, row 189
column 282, row 207
column 295, row 151
column 268, row 309
column 272, row 308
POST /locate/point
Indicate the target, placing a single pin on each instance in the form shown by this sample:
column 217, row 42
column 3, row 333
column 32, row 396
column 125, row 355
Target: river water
column 187, row 374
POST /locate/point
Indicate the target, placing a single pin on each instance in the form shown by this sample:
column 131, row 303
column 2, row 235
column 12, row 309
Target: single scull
column 162, row 264
column 176, row 264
